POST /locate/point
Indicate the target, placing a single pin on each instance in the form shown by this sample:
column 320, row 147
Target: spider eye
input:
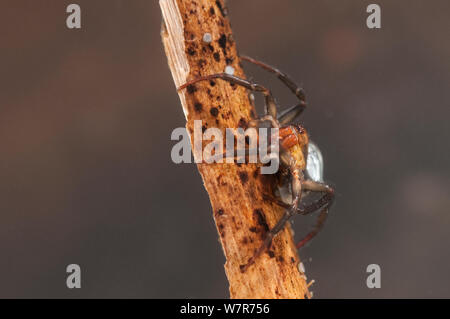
column 314, row 163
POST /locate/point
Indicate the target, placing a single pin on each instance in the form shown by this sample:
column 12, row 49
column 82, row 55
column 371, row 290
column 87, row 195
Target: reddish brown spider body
column 294, row 139
column 293, row 157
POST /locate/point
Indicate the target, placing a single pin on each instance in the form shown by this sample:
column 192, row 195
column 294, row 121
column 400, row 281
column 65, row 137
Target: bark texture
column 241, row 214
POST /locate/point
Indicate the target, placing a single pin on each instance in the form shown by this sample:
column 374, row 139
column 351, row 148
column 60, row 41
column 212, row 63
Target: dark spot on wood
column 220, row 212
column 212, row 83
column 271, row 253
column 203, row 129
column 221, row 231
column 253, row 194
column 280, row 259
column 201, row 62
column 198, row 107
column 229, row 60
column 223, row 41
column 220, row 180
column 256, row 173
column 191, row 89
column 216, row 56
column 191, row 51
column 244, row 177
column 277, row 292
column 242, row 123
column 267, row 179
column 261, row 219
column 217, row 121
column 214, row 111
column 292, row 260
column 210, row 47
column 253, row 229
column 245, row 240
column 225, row 116
column 223, row 11
column 212, row 11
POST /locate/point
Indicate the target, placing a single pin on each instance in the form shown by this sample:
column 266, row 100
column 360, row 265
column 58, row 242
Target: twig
column 241, row 214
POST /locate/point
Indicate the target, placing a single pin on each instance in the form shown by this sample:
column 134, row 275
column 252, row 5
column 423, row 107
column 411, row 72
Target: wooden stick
column 241, row 215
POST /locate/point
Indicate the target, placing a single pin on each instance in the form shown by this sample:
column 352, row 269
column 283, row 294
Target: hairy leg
column 270, row 107
column 290, row 114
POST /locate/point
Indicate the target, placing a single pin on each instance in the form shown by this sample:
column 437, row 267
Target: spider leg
column 279, row 226
column 277, row 201
column 319, row 224
column 323, row 203
column 291, row 113
column 325, row 200
column 299, row 92
column 268, row 240
column 270, row 105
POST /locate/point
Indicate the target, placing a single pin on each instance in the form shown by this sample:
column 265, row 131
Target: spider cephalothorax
column 300, row 160
column 294, row 139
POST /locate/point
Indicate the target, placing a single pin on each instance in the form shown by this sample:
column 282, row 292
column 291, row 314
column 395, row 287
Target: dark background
column 86, row 175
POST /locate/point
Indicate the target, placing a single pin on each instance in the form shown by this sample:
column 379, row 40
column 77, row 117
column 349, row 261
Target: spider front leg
column 270, row 105
column 326, row 199
column 279, row 226
column 323, row 203
column 290, row 114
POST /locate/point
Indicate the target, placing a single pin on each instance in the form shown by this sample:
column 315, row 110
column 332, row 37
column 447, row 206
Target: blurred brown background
column 85, row 169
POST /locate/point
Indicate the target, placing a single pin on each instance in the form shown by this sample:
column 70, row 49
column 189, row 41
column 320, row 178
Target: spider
column 301, row 163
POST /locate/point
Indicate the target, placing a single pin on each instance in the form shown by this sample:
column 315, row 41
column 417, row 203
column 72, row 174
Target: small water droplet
column 301, row 267
column 207, row 38
column 314, row 163
column 229, row 70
